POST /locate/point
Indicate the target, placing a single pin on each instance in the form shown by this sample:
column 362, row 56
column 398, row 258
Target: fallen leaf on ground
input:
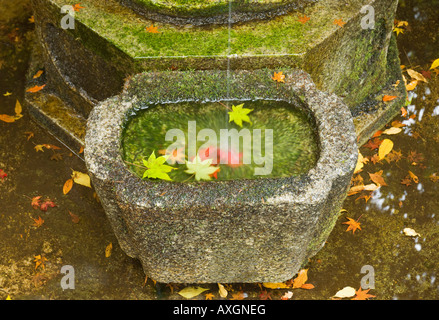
column 410, row 232
column 385, row 147
column 36, row 202
column 377, row 178
column 416, row 75
column 362, row 295
column 209, row 296
column 40, row 261
column 414, row 177
column 3, row 174
column 287, row 295
column 239, row 296
column 352, row 225
column 81, row 178
column 346, row 292
column 274, row 285
column 67, row 186
column 38, row 222
column 7, row 118
column 301, row 278
column 222, row 291
column 75, row 218
column 108, row 250
column 35, row 89
column 392, row 131
column 435, row 64
column 38, row 74
column 190, row 292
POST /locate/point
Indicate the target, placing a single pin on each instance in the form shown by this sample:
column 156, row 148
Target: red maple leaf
column 46, row 204
column 3, row 174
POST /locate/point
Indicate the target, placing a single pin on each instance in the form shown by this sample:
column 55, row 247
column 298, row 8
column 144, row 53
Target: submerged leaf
column 190, row 292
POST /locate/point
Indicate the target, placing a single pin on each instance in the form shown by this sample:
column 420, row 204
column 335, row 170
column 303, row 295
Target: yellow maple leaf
column 40, row 261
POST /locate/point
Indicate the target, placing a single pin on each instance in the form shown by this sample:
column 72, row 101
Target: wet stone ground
column 405, row 267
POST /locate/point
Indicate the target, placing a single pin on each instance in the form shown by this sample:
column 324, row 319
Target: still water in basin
column 278, row 140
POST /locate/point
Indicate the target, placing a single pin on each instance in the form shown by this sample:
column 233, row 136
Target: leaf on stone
column 339, row 22
column 239, row 114
column 385, row 147
column 202, row 169
column 278, row 76
column 191, row 292
column 67, row 186
column 81, row 178
column 387, row 98
column 152, row 29
column 77, row 7
column 156, row 169
column 413, row 177
column 108, row 250
column 304, row 19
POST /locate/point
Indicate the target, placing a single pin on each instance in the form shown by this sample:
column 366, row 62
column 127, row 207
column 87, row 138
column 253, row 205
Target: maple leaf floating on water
column 156, row 169
column 239, row 114
column 353, row 225
column 35, row 89
column 202, row 169
column 38, row 222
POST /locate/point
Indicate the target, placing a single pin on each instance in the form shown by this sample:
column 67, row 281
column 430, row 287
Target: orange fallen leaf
column 38, row 74
column 35, row 89
column 67, row 186
column 38, row 222
column 339, row 22
column 362, row 295
column 387, row 98
column 414, row 177
column 77, row 7
column 40, row 261
column 353, row 225
column 304, row 19
column 152, row 29
column 278, row 76
column 7, row 118
column 307, row 286
column 209, row 296
column 403, row 112
column 377, row 178
column 301, row 278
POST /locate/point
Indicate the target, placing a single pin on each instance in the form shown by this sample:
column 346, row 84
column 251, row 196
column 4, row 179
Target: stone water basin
column 242, row 230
